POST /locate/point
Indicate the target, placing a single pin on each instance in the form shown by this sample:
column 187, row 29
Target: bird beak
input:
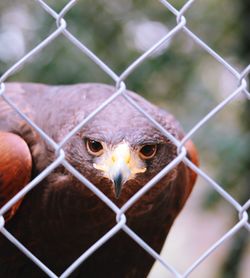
column 118, row 181
column 120, row 165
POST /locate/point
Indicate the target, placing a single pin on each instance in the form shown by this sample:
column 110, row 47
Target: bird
column 118, row 150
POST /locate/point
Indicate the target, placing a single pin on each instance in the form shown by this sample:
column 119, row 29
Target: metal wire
column 119, row 82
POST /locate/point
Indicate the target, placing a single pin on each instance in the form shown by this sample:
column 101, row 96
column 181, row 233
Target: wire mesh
column 119, row 82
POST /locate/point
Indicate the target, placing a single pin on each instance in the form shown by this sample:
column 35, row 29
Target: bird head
column 120, row 163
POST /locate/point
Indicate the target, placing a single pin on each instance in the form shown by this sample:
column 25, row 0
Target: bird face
column 121, row 162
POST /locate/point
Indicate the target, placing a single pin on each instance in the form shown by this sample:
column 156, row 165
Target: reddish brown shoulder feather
column 193, row 156
column 15, row 168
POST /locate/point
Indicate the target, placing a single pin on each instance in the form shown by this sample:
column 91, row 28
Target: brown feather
column 192, row 154
column 15, row 169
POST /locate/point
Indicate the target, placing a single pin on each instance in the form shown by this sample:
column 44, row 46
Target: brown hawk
column 118, row 150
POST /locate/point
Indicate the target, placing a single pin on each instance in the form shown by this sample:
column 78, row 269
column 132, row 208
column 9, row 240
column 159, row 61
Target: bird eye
column 94, row 147
column 148, row 151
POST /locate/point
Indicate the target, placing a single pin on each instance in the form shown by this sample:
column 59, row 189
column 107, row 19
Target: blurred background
column 180, row 77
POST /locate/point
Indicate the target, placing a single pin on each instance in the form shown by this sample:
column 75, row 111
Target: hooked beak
column 120, row 165
column 118, row 181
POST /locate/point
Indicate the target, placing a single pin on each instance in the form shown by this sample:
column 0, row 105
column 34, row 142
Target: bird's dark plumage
column 60, row 218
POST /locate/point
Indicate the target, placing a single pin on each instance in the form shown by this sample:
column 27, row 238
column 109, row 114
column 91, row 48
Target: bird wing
column 15, row 168
column 15, row 155
column 192, row 154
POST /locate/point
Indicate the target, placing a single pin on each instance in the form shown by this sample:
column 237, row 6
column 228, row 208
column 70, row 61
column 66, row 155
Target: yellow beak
column 120, row 165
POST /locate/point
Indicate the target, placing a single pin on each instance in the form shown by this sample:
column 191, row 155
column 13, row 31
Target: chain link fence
column 120, row 83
